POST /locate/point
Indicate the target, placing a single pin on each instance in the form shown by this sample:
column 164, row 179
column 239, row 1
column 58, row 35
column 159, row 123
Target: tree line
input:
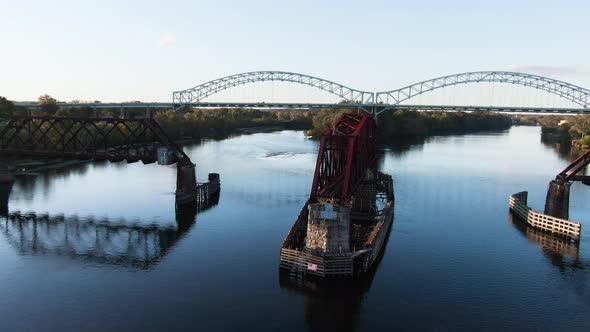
column 198, row 123
column 569, row 131
column 403, row 123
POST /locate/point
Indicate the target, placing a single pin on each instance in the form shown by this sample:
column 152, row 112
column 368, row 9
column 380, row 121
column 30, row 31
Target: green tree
column 48, row 105
column 6, row 108
column 581, row 125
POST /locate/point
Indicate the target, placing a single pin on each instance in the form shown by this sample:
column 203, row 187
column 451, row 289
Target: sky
column 116, row 51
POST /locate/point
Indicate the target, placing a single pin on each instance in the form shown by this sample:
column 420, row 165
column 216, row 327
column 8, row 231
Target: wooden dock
column 557, row 226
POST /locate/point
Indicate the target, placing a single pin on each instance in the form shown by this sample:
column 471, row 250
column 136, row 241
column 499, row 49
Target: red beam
column 579, row 164
column 347, row 150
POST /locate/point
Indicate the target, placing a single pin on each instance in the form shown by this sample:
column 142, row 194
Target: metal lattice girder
column 86, row 138
column 346, row 151
column 570, row 173
column 574, row 93
column 207, row 89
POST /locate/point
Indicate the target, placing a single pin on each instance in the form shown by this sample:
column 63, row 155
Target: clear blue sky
column 144, row 50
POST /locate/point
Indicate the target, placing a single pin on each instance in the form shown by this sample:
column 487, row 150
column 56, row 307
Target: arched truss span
column 205, row 90
column 565, row 90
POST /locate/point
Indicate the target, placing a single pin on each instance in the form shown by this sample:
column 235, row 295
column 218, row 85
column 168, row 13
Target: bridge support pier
column 5, row 189
column 328, row 228
column 186, row 183
column 557, row 202
column 5, row 176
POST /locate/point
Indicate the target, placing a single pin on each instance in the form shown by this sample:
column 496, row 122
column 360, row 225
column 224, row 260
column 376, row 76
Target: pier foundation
column 328, row 228
column 5, row 176
column 186, row 183
column 557, row 202
column 5, row 189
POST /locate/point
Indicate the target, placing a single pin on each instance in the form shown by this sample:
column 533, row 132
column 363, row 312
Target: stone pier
column 186, row 183
column 557, row 202
column 328, row 228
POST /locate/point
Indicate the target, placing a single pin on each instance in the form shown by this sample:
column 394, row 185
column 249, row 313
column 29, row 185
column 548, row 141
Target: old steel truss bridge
column 371, row 102
column 109, row 139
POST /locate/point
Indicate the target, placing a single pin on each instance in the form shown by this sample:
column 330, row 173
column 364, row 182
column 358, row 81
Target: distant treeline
column 195, row 123
column 221, row 122
column 198, row 123
column 416, row 124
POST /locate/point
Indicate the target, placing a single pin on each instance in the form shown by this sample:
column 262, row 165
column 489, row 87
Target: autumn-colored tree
column 48, row 105
column 581, row 125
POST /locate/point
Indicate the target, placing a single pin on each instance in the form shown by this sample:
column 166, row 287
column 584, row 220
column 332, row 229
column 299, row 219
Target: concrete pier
column 186, row 183
column 328, row 228
column 557, row 202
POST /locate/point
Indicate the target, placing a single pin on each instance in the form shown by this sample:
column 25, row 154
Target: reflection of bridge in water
column 99, row 241
column 332, row 304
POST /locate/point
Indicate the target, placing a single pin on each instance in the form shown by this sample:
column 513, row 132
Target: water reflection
column 5, row 189
column 91, row 240
column 563, row 253
column 332, row 304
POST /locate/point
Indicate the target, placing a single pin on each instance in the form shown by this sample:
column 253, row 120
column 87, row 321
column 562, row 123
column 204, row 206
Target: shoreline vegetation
column 396, row 128
column 220, row 123
column 414, row 124
column 568, row 133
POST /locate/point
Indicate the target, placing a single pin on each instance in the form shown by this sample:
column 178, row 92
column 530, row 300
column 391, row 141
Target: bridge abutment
column 557, row 202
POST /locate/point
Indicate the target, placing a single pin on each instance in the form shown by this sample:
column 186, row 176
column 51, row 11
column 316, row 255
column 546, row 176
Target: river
column 99, row 247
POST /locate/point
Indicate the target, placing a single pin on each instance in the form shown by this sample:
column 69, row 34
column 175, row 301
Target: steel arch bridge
column 391, row 98
column 198, row 93
column 571, row 92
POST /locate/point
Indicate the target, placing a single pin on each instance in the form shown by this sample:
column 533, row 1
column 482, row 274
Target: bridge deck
column 312, row 106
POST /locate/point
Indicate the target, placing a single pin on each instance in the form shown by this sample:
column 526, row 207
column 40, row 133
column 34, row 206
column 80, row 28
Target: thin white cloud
column 166, row 40
column 570, row 71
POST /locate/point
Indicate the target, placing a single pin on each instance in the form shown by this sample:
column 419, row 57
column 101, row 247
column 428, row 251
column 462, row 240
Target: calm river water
column 105, row 250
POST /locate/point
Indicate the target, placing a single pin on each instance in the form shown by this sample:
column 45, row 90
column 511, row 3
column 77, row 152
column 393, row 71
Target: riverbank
column 408, row 124
column 221, row 123
column 569, row 134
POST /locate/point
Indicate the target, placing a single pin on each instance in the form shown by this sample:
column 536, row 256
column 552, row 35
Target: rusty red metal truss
column 346, row 151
